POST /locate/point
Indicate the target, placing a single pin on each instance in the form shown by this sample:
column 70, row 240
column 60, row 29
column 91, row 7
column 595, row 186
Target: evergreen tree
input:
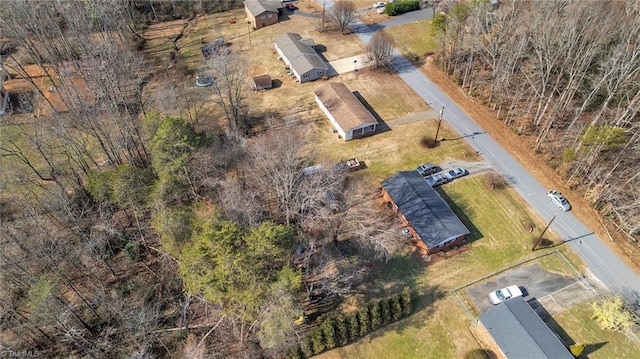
column 317, row 341
column 363, row 320
column 374, row 314
column 295, row 352
column 396, row 308
column 306, row 347
column 353, row 326
column 342, row 333
column 385, row 312
column 329, row 333
column 407, row 306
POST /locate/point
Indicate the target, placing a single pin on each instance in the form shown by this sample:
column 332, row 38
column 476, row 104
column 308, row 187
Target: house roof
column 263, row 81
column 346, row 109
column 257, row 7
column 302, row 57
column 429, row 215
column 521, row 333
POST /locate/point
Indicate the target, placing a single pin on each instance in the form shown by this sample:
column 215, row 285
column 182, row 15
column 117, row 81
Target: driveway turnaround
column 609, row 269
column 538, row 286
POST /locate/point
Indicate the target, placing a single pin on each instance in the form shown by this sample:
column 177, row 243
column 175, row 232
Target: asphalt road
column 610, row 269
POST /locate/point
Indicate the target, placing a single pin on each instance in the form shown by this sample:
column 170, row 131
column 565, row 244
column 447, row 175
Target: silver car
column 456, row 173
column 558, row 199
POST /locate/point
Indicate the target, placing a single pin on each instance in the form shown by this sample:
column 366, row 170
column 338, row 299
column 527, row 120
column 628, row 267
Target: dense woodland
column 131, row 227
column 566, row 73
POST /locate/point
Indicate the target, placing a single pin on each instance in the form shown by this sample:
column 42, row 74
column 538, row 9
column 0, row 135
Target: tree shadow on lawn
column 389, row 278
column 462, row 209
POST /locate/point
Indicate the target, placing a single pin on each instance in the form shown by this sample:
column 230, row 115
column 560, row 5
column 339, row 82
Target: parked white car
column 456, row 173
column 379, row 4
column 381, row 10
column 503, row 294
column 558, row 199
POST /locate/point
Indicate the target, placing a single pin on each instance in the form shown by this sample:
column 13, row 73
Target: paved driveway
column 554, row 292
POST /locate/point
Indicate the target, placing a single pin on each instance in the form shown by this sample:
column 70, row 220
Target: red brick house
column 428, row 217
column 262, row 13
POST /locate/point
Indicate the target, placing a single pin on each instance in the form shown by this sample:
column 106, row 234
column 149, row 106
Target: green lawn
column 415, row 37
column 395, row 150
column 577, row 327
column 439, row 327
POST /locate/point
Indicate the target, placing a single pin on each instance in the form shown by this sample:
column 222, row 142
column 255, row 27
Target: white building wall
column 333, row 120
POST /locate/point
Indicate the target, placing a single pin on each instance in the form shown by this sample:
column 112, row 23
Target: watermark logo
column 7, row 353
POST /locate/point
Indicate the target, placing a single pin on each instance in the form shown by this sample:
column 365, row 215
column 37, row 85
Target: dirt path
column 522, row 149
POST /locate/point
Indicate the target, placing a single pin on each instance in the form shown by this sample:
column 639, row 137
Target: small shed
column 262, row 82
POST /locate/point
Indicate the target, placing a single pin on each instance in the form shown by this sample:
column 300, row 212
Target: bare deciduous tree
column 380, row 50
column 230, row 72
column 344, row 13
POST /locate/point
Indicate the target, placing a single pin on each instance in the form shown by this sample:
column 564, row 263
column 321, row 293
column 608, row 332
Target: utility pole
column 249, row 31
column 435, row 139
column 543, row 232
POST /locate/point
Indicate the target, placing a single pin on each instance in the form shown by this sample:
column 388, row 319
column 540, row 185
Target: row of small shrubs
column 402, row 6
column 346, row 328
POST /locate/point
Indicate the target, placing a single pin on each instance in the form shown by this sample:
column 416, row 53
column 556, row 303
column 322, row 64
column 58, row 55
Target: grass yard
column 395, row 150
column 439, row 327
column 406, row 35
column 577, row 327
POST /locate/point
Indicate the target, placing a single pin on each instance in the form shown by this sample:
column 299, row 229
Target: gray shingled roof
column 257, row 7
column 430, row 216
column 520, row 332
column 302, row 57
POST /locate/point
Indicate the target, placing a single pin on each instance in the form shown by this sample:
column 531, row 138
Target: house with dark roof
column 347, row 114
column 262, row 13
column 518, row 332
column 428, row 217
column 300, row 57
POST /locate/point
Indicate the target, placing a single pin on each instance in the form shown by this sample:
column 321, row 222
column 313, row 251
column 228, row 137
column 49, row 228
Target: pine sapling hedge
column 346, row 328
